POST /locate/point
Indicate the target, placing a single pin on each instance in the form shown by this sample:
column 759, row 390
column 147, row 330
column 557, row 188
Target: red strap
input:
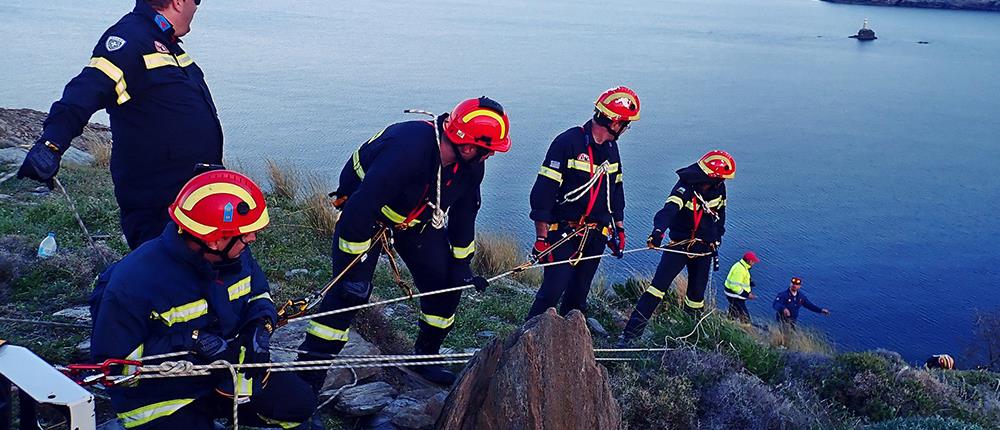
column 594, row 191
column 698, row 212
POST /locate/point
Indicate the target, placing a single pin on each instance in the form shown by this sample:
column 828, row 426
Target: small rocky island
column 865, row 33
column 990, row 5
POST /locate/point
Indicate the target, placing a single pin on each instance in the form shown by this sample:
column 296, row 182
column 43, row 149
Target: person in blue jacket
column 695, row 214
column 579, row 196
column 405, row 181
column 163, row 119
column 788, row 302
column 197, row 288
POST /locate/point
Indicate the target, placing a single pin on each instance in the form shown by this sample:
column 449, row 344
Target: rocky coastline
column 984, row 5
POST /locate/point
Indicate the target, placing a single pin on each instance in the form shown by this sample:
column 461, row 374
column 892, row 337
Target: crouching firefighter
column 695, row 215
column 197, row 288
column 402, row 184
column 578, row 202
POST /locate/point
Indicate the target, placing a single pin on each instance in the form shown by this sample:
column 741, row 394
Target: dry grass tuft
column 318, row 208
column 102, row 154
column 284, row 180
column 498, row 253
column 801, row 339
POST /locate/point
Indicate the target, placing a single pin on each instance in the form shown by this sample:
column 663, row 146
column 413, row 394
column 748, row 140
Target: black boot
column 435, row 373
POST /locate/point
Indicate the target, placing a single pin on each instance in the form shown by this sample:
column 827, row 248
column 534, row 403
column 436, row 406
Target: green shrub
column 654, row 400
column 923, row 423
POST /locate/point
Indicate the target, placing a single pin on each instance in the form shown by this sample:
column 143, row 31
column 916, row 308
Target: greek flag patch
column 554, row 164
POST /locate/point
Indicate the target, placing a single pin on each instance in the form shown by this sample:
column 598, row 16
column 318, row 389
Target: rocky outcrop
column 990, row 5
column 544, row 376
column 21, row 127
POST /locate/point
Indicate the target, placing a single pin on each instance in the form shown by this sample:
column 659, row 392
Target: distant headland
column 990, row 5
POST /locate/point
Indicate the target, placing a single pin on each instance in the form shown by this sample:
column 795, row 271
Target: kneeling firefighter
column 197, row 288
column 578, row 202
column 403, row 182
column 695, row 214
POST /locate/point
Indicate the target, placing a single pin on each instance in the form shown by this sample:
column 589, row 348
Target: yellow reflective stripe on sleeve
column 134, row 355
column 613, row 167
column 358, row 169
column 465, row 252
column 145, row 414
column 655, row 292
column 436, row 321
column 396, row 217
column 264, row 295
column 326, row 332
column 675, row 200
column 717, row 202
column 239, row 289
column 183, row 313
column 158, row 59
column 184, row 60
column 283, row 424
column 113, row 72
column 693, row 304
column 354, row 247
column 551, row 174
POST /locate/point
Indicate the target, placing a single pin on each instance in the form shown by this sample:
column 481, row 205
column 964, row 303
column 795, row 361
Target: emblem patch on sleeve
column 161, row 48
column 554, row 164
column 114, row 43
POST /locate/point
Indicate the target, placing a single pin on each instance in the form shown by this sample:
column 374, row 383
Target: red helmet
column 751, row 257
column 718, row 164
column 619, row 104
column 946, row 362
column 219, row 203
column 481, row 122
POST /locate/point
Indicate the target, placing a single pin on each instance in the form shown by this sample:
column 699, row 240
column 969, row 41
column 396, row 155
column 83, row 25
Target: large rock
column 292, row 335
column 21, row 127
column 544, row 376
column 364, row 400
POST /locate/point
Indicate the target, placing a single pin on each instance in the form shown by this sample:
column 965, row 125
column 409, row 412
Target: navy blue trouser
column 670, row 266
column 568, row 283
column 284, row 402
column 141, row 225
column 738, row 309
column 427, row 254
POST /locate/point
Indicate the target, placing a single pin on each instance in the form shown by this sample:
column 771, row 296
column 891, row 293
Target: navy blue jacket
column 390, row 180
column 785, row 300
column 157, row 296
column 163, row 119
column 678, row 213
column 568, row 164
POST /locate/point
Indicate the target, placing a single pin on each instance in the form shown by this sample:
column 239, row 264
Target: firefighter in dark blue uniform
column 403, row 182
column 163, row 119
column 197, row 288
column 695, row 213
column 579, row 195
column 788, row 302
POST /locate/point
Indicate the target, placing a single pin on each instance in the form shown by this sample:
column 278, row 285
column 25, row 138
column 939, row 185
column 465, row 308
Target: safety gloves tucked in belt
column 655, row 239
column 209, row 345
column 616, row 242
column 41, row 163
column 541, row 245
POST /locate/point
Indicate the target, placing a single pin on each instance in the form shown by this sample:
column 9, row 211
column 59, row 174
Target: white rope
column 439, row 216
column 578, row 192
column 677, row 251
column 454, row 289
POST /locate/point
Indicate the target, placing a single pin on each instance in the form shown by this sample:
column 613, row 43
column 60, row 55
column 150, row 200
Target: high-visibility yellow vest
column 738, row 281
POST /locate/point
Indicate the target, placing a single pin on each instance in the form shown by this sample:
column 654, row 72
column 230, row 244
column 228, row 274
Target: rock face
column 544, row 376
column 993, row 5
column 21, row 127
column 364, row 400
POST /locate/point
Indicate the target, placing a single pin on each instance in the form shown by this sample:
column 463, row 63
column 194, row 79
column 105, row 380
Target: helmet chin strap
column 221, row 253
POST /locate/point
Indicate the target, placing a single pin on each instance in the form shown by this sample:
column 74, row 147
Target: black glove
column 209, row 345
column 480, row 282
column 256, row 338
column 655, row 239
column 41, row 164
column 616, row 243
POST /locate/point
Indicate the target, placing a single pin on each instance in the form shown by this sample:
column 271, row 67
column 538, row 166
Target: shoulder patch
column 681, row 190
column 114, row 43
column 554, row 164
column 161, row 48
column 583, row 157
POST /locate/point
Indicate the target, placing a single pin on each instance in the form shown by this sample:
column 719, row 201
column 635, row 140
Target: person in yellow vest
column 738, row 286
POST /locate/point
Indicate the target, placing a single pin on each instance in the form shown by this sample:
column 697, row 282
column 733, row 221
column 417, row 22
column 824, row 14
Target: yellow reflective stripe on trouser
column 135, row 355
column 465, row 252
column 184, row 313
column 113, row 72
column 675, row 200
column 239, row 289
column 145, row 414
column 693, row 304
column 358, row 169
column 264, row 295
column 326, row 332
column 437, row 321
column 354, row 247
column 655, row 292
column 282, row 424
column 551, row 174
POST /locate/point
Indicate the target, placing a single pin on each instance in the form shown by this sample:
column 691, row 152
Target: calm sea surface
column 868, row 169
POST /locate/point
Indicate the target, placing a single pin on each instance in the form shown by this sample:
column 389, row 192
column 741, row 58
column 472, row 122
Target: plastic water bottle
column 48, row 246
